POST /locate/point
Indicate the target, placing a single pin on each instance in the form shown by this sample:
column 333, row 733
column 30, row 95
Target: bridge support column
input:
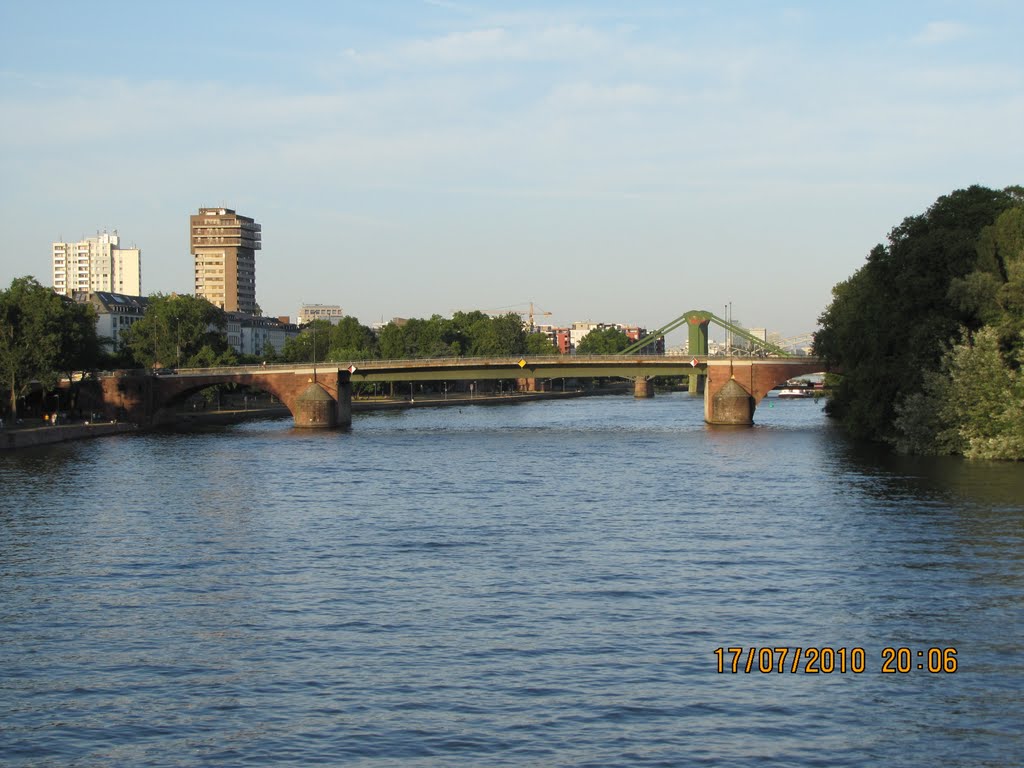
column 696, row 384
column 315, row 408
column 731, row 404
column 343, row 408
column 643, row 387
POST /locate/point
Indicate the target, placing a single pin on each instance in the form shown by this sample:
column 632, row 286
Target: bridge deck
column 476, row 368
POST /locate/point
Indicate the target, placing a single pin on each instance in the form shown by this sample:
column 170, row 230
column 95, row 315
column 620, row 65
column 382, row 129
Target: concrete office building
column 97, row 264
column 310, row 312
column 224, row 246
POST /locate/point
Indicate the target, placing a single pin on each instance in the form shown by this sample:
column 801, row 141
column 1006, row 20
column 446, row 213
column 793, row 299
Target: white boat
column 797, row 392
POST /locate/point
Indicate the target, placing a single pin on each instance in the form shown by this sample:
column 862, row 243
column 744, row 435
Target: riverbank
column 32, row 436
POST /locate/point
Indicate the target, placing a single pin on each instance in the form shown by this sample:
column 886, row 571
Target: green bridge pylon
column 698, row 320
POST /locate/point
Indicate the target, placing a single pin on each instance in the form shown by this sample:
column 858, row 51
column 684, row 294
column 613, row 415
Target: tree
column 392, row 342
column 509, row 336
column 180, row 330
column 971, row 406
column 41, row 335
column 603, row 341
column 352, row 341
column 891, row 322
column 300, row 349
column 80, row 347
column 540, row 344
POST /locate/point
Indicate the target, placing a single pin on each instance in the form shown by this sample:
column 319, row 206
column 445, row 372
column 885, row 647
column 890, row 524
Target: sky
column 608, row 161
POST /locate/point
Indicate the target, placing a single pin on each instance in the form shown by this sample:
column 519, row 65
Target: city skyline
column 609, row 163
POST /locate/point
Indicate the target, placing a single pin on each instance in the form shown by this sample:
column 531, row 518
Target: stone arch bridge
column 322, row 396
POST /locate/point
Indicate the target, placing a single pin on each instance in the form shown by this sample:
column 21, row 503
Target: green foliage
column 603, row 341
column 497, row 337
column 970, row 407
column 41, row 336
column 391, row 342
column 311, row 345
column 473, row 334
column 180, row 331
column 889, row 325
column 352, row 341
column 348, row 340
column 540, row 344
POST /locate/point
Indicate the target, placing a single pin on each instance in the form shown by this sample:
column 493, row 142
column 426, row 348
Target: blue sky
column 617, row 162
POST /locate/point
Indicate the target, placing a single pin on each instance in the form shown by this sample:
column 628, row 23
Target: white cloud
column 463, row 47
column 508, row 43
column 586, row 95
column 939, row 32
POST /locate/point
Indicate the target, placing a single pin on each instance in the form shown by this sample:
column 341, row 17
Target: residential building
column 224, row 245
column 310, row 312
column 634, row 333
column 563, row 340
column 115, row 313
column 253, row 335
column 579, row 330
column 97, row 264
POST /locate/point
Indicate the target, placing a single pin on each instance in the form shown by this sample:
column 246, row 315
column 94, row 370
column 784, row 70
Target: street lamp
column 314, row 351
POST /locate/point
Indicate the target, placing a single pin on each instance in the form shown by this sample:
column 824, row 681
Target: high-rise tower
column 224, row 246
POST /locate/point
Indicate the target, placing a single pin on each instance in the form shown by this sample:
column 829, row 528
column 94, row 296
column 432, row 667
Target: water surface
column 541, row 584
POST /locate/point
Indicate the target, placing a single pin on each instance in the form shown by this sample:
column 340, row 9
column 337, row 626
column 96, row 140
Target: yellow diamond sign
column 522, row 363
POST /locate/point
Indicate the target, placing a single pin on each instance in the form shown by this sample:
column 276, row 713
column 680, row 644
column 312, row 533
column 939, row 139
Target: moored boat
column 797, row 392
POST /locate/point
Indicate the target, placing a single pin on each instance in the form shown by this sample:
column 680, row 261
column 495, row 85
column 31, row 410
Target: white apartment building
column 256, row 335
column 115, row 314
column 310, row 312
column 97, row 264
column 579, row 330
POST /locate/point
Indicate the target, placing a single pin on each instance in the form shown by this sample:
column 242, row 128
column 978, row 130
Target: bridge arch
column 150, row 400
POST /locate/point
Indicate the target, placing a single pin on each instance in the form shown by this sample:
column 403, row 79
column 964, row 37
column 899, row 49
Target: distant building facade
column 224, row 245
column 97, row 264
column 310, row 312
column 254, row 335
column 572, row 337
column 655, row 346
column 115, row 313
column 580, row 330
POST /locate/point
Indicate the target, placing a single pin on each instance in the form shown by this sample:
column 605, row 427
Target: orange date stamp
column 828, row 660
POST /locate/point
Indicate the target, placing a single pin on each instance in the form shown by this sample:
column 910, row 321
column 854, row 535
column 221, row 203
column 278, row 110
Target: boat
column 797, row 388
column 797, row 392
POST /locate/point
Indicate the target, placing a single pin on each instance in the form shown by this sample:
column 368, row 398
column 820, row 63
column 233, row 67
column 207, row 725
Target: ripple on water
column 533, row 585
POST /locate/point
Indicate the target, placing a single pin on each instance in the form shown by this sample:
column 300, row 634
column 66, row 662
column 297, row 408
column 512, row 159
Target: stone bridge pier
column 643, row 387
column 735, row 387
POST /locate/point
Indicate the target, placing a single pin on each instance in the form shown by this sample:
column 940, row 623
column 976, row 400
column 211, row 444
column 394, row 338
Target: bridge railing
column 427, row 362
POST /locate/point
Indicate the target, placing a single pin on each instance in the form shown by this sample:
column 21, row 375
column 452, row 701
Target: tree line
column 464, row 334
column 44, row 336
column 928, row 335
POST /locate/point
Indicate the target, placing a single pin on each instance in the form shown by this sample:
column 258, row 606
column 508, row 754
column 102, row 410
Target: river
column 533, row 585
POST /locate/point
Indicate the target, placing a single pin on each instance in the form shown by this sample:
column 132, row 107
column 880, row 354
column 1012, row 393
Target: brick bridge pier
column 735, row 387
